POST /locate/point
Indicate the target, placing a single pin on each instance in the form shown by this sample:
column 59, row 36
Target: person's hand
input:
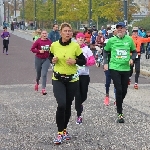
column 71, row 61
column 131, row 62
column 105, row 67
column 41, row 51
column 54, row 60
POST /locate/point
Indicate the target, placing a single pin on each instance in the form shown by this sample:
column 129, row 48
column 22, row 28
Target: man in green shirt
column 120, row 47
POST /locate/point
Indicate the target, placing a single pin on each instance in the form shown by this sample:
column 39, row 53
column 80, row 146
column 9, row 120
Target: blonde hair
column 37, row 32
column 65, row 24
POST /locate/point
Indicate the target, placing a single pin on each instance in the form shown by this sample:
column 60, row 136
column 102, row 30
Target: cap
column 135, row 29
column 120, row 24
column 80, row 34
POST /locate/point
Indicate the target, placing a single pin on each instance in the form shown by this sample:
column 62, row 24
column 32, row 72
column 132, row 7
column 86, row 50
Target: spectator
column 54, row 35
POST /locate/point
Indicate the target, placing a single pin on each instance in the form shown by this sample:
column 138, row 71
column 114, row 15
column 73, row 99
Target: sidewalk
column 27, row 121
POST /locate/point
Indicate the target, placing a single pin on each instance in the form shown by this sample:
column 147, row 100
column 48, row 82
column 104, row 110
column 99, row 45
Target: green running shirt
column 120, row 49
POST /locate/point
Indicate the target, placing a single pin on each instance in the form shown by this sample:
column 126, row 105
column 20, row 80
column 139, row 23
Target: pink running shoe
column 36, row 87
column 44, row 92
column 106, row 101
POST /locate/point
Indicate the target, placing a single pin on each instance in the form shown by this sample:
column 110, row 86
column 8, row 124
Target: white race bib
column 121, row 54
column 6, row 38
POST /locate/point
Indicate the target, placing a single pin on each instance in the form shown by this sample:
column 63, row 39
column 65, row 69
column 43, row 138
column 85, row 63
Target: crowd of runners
column 70, row 53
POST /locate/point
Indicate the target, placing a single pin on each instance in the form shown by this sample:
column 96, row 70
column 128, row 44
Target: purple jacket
column 5, row 35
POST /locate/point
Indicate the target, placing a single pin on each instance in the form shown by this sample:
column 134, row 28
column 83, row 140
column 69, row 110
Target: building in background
column 144, row 10
column 1, row 12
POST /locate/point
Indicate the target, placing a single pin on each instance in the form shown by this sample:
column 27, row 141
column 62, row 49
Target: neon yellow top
column 64, row 53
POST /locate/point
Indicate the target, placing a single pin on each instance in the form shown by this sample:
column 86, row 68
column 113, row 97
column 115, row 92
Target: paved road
column 27, row 118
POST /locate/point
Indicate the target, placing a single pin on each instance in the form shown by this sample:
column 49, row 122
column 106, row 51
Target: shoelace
column 59, row 137
column 79, row 119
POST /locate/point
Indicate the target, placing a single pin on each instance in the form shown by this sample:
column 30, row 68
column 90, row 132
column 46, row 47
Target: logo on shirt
column 126, row 43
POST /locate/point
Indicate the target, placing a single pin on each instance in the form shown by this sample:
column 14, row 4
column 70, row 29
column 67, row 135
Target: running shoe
column 129, row 82
column 106, row 101
column 136, row 86
column 66, row 136
column 120, row 118
column 44, row 92
column 36, row 87
column 59, row 139
column 79, row 120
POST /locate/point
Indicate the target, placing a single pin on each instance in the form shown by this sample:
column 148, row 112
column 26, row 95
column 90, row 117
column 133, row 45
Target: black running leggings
column 137, row 69
column 81, row 94
column 64, row 94
column 5, row 44
column 120, row 80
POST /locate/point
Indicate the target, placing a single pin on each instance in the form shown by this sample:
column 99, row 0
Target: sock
column 64, row 130
column 130, row 78
column 60, row 133
column 136, row 83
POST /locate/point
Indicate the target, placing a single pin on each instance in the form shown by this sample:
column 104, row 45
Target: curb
column 144, row 73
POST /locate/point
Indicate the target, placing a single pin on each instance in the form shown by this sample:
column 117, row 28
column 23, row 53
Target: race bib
column 45, row 48
column 6, row 38
column 121, row 54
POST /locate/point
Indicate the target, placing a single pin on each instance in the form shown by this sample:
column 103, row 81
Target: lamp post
column 35, row 14
column 125, row 12
column 15, row 9
column 55, row 21
column 90, row 13
column 8, row 12
column 4, row 10
column 23, row 13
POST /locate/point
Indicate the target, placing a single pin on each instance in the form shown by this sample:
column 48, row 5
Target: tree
column 112, row 10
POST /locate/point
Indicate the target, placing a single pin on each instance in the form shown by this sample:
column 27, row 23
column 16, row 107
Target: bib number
column 81, row 68
column 121, row 54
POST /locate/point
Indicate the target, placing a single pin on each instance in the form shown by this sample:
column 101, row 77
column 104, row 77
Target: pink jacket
column 88, row 55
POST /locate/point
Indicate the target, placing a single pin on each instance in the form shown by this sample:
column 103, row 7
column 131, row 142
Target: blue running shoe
column 59, row 139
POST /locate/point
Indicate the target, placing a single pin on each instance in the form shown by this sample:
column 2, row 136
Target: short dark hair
column 5, row 27
column 54, row 24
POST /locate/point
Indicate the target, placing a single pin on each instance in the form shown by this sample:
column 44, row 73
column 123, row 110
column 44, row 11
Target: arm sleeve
column 51, row 55
column 105, row 57
column 34, row 47
column 134, row 54
column 107, row 49
column 80, row 57
column 81, row 60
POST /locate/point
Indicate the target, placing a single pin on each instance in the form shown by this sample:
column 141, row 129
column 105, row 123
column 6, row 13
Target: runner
column 120, row 47
column 84, row 77
column 41, row 48
column 137, row 41
column 5, row 35
column 107, row 72
column 65, row 54
column 36, row 35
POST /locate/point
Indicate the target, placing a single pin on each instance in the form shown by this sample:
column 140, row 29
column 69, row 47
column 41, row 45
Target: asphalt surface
column 27, row 118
